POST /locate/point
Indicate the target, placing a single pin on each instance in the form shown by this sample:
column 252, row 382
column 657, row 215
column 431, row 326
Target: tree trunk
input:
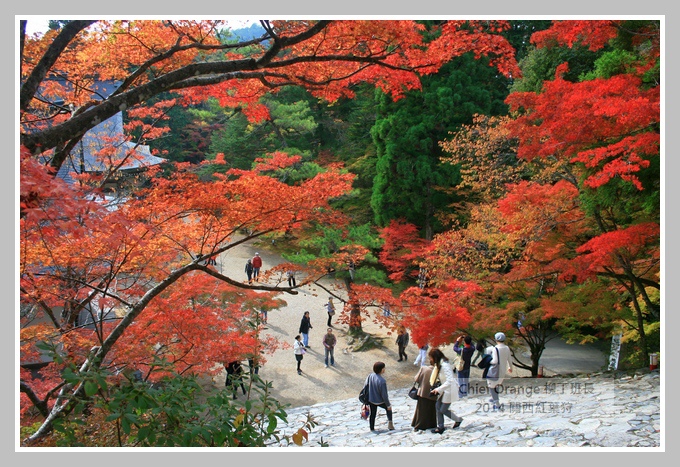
column 641, row 331
column 536, row 352
column 354, row 311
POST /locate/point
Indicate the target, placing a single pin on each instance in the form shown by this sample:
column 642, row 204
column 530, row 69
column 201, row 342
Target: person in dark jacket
column 234, row 377
column 249, row 271
column 402, row 342
column 463, row 347
column 305, row 326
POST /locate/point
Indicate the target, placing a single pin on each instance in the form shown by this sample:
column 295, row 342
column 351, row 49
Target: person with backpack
column 500, row 365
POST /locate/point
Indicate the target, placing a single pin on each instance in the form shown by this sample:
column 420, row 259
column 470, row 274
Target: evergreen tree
column 411, row 182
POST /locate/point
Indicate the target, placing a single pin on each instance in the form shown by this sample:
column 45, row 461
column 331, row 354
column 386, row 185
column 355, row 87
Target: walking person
column 254, row 365
column 377, row 395
column 402, row 342
column 291, row 278
column 463, row 347
column 480, row 347
column 249, row 271
column 329, row 342
column 257, row 264
column 443, row 372
column 425, row 415
column 298, row 351
column 501, row 365
column 422, row 356
column 234, row 377
column 330, row 309
column 305, row 326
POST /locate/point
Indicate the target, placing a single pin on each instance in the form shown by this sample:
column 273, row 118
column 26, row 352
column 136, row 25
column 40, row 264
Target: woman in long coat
column 425, row 415
column 447, row 392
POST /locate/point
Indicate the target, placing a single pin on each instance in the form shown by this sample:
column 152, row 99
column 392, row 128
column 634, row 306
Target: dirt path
column 317, row 383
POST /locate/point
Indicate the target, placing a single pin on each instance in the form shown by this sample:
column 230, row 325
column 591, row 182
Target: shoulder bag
column 494, row 370
column 363, row 395
column 460, row 363
column 413, row 392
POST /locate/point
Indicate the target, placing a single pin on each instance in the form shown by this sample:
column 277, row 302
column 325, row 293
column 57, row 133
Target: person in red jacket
column 257, row 264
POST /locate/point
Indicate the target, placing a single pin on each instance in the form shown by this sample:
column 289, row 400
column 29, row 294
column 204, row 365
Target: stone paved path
column 582, row 412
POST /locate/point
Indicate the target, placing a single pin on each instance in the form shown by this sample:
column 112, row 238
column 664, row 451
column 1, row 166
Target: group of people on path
column 253, row 267
column 437, row 387
column 301, row 343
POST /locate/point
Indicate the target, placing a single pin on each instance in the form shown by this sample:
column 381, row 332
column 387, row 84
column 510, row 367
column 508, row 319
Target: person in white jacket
column 299, row 352
column 446, row 392
column 501, row 365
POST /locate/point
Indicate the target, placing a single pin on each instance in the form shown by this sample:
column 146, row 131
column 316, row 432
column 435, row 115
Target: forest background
column 504, row 257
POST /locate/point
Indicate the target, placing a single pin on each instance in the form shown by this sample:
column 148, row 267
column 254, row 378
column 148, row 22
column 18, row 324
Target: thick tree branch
column 196, row 74
column 30, row 87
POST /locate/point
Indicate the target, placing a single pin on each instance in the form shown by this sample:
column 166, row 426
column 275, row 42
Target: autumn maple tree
column 561, row 220
column 123, row 285
column 607, row 127
column 326, row 57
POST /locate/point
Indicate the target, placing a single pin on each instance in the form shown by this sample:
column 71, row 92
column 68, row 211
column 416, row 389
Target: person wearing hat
column 501, row 365
column 257, row 264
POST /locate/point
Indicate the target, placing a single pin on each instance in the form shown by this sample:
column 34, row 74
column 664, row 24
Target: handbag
column 365, row 412
column 413, row 392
